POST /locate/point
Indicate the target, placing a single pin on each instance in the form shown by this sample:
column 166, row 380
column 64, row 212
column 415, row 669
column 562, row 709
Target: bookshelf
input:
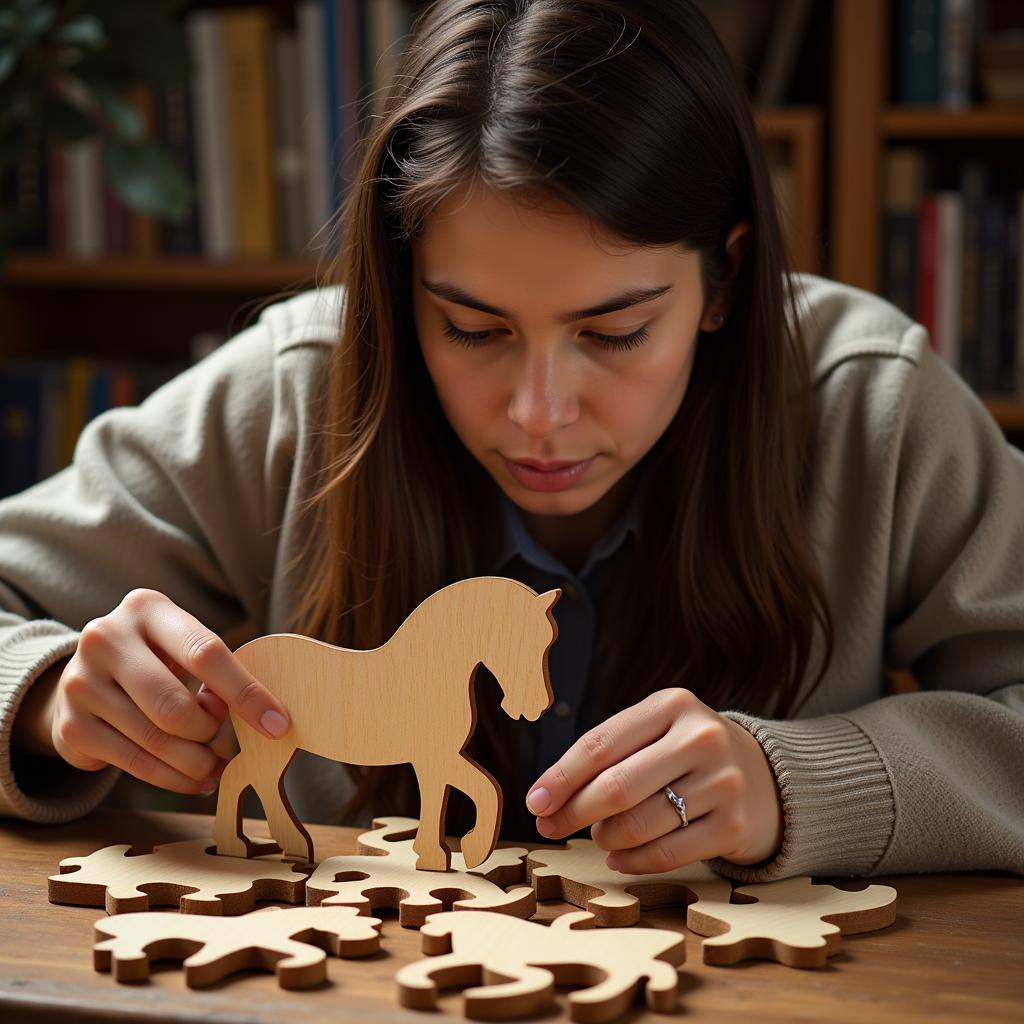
column 866, row 122
column 824, row 154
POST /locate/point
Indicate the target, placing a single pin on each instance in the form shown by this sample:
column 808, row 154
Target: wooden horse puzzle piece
column 386, row 876
column 291, row 942
column 792, row 921
column 520, row 962
column 410, row 700
column 580, row 876
column 183, row 874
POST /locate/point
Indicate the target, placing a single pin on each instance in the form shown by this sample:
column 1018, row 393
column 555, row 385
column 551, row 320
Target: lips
column 547, row 467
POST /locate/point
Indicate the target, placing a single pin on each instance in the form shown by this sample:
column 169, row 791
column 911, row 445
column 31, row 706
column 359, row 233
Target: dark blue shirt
column 540, row 744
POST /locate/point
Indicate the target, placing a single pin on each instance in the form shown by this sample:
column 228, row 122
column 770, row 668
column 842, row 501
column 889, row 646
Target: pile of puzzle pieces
column 217, row 932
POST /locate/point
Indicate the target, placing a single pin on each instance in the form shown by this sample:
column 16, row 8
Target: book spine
column 974, row 184
column 174, row 126
column 949, row 275
column 289, row 154
column 246, row 57
column 213, row 153
column 990, row 292
column 957, row 47
column 926, row 256
column 918, row 42
column 309, row 17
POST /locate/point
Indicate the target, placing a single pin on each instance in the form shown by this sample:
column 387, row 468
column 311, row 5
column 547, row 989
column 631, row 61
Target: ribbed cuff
column 66, row 793
column 837, row 799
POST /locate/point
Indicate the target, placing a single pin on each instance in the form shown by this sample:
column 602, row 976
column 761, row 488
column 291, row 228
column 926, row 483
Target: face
column 552, row 373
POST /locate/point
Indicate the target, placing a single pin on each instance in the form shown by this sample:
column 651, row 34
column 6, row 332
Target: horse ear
column 549, row 597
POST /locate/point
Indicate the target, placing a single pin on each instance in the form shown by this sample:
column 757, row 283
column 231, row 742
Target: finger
column 621, row 786
column 210, row 660
column 211, row 703
column 107, row 743
column 697, row 841
column 599, row 748
column 654, row 817
column 112, row 705
column 161, row 696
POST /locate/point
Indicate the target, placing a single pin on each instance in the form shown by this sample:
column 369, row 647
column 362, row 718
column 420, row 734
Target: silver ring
column 679, row 804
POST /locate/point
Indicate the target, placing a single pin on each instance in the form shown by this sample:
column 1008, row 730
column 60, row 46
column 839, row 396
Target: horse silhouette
column 410, row 700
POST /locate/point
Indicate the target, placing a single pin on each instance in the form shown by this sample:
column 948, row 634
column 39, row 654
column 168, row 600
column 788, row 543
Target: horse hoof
column 435, row 860
column 234, row 847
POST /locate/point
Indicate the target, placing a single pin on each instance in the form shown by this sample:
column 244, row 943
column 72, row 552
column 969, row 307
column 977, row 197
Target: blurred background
column 167, row 166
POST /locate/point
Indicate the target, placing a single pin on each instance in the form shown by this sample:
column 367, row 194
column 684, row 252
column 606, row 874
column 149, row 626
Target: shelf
column 167, row 272
column 1007, row 410
column 910, row 122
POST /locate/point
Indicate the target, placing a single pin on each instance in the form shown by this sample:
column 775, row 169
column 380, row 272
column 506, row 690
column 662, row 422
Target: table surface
column 955, row 952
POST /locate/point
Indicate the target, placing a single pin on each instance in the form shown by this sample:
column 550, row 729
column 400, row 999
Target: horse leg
column 482, row 789
column 227, row 827
column 432, row 853
column 285, row 827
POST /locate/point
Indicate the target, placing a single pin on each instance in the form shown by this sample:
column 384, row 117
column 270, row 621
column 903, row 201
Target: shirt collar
column 514, row 539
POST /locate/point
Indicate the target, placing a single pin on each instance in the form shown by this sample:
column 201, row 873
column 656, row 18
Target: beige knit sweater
column 916, row 513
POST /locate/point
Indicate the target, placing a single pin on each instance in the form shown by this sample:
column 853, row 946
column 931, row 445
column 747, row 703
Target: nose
column 544, row 395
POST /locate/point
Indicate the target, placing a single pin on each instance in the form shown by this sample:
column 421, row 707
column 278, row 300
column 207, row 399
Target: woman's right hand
column 121, row 699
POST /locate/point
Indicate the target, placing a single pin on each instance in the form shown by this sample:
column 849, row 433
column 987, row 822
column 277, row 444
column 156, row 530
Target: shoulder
column 841, row 324
column 309, row 319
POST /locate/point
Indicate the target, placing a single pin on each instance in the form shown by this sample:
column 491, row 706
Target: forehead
column 478, row 236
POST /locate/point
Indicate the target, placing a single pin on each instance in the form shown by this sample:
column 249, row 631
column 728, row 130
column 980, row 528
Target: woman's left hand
column 614, row 777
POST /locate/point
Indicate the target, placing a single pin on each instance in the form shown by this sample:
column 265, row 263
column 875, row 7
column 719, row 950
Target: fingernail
column 538, row 799
column 208, row 788
column 274, row 722
column 614, row 863
column 545, row 827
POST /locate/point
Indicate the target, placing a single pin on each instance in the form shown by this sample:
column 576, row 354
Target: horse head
column 518, row 655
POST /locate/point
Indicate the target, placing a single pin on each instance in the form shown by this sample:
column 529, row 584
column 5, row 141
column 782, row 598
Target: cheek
column 464, row 391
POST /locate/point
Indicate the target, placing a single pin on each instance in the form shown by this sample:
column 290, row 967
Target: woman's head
column 544, row 156
column 500, row 293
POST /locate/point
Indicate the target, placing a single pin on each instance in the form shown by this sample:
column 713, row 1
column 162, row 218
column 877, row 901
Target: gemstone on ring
column 679, row 804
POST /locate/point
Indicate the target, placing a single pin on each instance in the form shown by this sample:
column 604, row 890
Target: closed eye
column 476, row 339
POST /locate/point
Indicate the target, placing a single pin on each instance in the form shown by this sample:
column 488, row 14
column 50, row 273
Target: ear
column 736, row 246
column 549, row 597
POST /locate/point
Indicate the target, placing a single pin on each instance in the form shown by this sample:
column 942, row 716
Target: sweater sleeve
column 171, row 495
column 933, row 780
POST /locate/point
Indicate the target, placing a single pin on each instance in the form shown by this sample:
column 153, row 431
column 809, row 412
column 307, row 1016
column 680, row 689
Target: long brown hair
column 630, row 111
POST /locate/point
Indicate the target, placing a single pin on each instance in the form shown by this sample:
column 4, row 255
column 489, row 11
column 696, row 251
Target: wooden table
column 955, row 952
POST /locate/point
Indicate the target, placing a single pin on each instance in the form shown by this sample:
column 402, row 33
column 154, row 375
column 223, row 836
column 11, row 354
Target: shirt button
column 568, row 589
column 562, row 709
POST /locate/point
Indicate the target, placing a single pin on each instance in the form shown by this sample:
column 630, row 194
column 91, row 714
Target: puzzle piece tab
column 580, row 876
column 183, row 874
column 520, row 962
column 793, row 921
column 290, row 942
column 385, row 876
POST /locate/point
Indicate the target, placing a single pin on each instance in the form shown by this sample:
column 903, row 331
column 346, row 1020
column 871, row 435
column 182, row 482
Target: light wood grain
column 579, row 875
column 184, row 875
column 290, row 942
column 793, row 921
column 385, row 876
column 410, row 700
column 954, row 953
column 514, row 965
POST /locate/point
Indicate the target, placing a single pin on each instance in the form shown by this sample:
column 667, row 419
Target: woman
column 571, row 351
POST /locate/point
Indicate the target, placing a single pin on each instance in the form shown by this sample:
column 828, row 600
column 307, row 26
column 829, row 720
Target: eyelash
column 475, row 339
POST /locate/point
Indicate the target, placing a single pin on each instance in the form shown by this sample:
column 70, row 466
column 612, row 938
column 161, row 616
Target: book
column 214, row 172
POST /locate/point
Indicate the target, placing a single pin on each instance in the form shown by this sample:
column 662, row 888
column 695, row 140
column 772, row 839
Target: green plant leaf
column 8, row 59
column 145, row 177
column 124, row 118
column 86, row 31
column 38, row 19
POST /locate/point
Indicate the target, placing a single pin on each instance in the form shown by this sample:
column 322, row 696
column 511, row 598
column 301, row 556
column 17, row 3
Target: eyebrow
column 632, row 297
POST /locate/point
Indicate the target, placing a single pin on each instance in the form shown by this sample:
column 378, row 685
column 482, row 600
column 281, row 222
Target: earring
column 717, row 319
